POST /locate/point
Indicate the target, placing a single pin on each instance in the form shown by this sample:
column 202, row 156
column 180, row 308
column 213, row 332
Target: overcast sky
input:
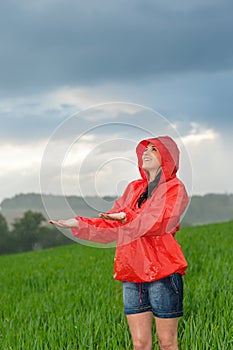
column 168, row 64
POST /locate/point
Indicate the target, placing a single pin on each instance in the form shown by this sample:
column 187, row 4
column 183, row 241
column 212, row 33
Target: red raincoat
column 146, row 248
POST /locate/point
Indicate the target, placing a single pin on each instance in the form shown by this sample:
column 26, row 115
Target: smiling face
column 151, row 161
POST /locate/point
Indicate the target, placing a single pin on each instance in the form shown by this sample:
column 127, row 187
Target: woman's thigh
column 140, row 326
column 138, row 313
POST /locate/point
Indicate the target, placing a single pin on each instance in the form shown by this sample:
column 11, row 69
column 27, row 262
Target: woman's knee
column 142, row 344
column 167, row 333
column 168, row 342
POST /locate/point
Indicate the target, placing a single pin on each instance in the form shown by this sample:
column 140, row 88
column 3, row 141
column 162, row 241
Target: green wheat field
column 66, row 298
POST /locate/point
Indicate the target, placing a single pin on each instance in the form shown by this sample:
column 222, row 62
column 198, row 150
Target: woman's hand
column 70, row 223
column 114, row 216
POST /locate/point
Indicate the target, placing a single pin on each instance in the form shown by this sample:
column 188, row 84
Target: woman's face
column 151, row 159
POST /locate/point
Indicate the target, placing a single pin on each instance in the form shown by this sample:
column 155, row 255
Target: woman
column 148, row 260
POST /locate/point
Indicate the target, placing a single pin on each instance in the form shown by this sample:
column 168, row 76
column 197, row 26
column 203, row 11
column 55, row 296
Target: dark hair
column 149, row 190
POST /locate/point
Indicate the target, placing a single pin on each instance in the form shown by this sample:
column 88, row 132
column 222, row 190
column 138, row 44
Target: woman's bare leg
column 140, row 329
column 166, row 329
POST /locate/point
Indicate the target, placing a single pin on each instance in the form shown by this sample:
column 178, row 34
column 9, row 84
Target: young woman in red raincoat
column 148, row 259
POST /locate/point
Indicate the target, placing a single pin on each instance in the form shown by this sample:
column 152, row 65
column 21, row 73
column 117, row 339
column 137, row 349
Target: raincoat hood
column 169, row 155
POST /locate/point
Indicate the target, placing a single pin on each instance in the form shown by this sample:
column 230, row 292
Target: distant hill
column 202, row 209
column 53, row 206
column 209, row 208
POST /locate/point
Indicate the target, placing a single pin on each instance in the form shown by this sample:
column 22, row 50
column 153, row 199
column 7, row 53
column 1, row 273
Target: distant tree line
column 204, row 209
column 29, row 233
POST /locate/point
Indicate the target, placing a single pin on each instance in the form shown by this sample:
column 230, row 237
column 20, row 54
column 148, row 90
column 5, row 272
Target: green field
column 66, row 298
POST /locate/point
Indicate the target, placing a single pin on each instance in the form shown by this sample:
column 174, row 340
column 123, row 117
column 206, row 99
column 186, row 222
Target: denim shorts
column 164, row 297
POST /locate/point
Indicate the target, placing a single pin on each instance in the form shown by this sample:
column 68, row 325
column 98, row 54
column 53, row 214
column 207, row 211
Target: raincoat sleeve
column 160, row 215
column 103, row 230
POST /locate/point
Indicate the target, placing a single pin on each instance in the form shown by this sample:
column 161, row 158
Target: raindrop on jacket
column 146, row 249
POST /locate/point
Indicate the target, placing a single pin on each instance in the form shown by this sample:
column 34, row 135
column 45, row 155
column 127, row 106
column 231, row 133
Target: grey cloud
column 202, row 98
column 81, row 43
column 34, row 122
column 25, row 127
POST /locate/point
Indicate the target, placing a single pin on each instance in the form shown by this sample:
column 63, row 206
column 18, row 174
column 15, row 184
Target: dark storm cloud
column 53, row 43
